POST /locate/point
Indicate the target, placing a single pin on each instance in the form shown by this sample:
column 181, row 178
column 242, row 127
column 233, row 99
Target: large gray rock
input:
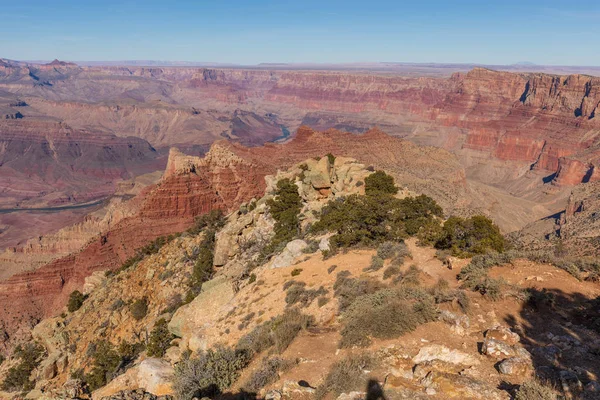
column 499, row 349
column 292, row 250
column 190, row 321
column 518, row 366
column 152, row 376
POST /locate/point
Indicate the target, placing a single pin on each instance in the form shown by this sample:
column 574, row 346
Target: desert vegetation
column 18, row 378
column 284, row 208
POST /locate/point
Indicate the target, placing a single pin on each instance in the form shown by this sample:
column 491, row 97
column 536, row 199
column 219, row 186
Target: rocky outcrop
column 151, row 379
column 191, row 320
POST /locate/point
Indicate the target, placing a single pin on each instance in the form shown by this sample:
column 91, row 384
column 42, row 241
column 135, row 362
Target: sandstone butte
column 227, row 176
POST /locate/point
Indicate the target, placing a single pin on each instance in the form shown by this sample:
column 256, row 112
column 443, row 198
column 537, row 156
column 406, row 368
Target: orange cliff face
column 227, row 176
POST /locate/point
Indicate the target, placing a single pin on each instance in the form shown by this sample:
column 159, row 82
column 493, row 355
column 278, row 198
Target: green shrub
column 213, row 220
column 380, row 182
column 386, row 314
column 209, row 373
column 347, row 289
column 267, row 373
column 429, row 233
column 76, row 299
column 105, row 363
column 376, row 264
column 331, row 158
column 392, row 270
column 375, row 218
column 345, row 376
column 321, row 301
column 17, row 378
column 279, row 332
column 284, row 208
column 412, row 276
column 252, row 278
column 139, row 308
column 129, row 351
column 203, row 271
column 296, row 271
column 467, row 237
column 393, row 250
column 160, row 339
column 534, row 390
column 298, row 294
column 491, row 288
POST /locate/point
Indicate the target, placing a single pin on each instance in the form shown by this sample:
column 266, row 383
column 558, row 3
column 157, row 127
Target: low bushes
column 267, row 373
column 278, row 332
column 534, row 390
column 345, row 376
column 209, row 373
column 395, row 251
column 386, row 314
column 347, row 289
column 298, row 294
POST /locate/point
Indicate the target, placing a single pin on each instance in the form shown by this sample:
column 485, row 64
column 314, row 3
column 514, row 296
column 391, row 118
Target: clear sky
column 325, row 31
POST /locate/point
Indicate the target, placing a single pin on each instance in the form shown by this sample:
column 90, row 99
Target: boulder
column 320, row 176
column 503, row 333
column 324, row 244
column 152, row 375
column 443, row 353
column 190, row 320
column 292, row 250
column 518, row 366
column 499, row 349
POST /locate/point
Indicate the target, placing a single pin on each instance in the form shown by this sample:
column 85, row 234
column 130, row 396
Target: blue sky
column 250, row 32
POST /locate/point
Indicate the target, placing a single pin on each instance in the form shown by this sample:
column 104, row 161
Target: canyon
column 163, row 145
